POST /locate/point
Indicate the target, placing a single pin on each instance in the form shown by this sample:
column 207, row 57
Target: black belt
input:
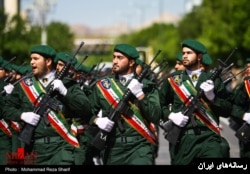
column 47, row 140
column 196, row 131
column 128, row 139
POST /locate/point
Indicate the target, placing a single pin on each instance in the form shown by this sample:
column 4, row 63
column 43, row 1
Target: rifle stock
column 45, row 106
column 101, row 137
column 172, row 131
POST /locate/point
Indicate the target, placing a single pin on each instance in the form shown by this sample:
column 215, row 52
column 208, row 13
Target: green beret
column 14, row 67
column 6, row 65
column 206, row 59
column 25, row 70
column 194, row 45
column 179, row 57
column 82, row 68
column 44, row 50
column 139, row 62
column 65, row 57
column 20, row 70
column 248, row 60
column 127, row 50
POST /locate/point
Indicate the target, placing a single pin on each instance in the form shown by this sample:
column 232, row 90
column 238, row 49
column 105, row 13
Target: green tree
column 60, row 37
column 159, row 36
column 222, row 26
column 15, row 39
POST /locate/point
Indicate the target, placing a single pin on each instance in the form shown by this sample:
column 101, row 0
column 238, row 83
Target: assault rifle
column 13, row 72
column 243, row 133
column 46, row 104
column 13, row 58
column 172, row 132
column 16, row 82
column 101, row 137
column 228, row 80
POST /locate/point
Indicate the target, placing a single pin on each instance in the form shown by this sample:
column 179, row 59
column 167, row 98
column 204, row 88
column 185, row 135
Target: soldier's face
column 39, row 65
column 2, row 73
column 59, row 66
column 191, row 60
column 121, row 64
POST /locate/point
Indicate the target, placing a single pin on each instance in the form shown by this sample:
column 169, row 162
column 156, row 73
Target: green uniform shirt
column 150, row 110
column 193, row 145
column 74, row 104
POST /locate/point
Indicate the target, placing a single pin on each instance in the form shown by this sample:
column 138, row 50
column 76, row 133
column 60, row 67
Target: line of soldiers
column 69, row 109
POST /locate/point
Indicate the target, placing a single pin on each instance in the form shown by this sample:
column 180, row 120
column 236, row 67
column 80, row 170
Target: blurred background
column 151, row 25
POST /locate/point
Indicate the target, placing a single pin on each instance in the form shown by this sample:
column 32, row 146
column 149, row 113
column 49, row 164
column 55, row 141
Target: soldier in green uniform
column 83, row 76
column 178, row 64
column 5, row 132
column 241, row 109
column 131, row 146
column 78, row 125
column 200, row 135
column 52, row 142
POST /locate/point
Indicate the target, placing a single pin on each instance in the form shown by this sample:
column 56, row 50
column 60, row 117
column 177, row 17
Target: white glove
column 208, row 88
column 59, row 86
column 97, row 160
column 246, row 117
column 30, row 117
column 178, row 118
column 8, row 88
column 104, row 123
column 135, row 87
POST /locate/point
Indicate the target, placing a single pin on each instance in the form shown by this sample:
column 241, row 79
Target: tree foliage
column 18, row 36
column 221, row 25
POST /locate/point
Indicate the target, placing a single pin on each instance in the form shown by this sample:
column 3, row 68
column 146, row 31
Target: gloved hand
column 135, row 87
column 59, row 86
column 208, row 88
column 246, row 117
column 97, row 160
column 178, row 118
column 30, row 117
column 9, row 88
column 104, row 123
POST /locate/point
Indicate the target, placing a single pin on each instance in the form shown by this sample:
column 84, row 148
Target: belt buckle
column 46, row 140
column 123, row 139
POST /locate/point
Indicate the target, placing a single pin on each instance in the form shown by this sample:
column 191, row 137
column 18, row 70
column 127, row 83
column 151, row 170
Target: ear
column 200, row 57
column 49, row 61
column 131, row 62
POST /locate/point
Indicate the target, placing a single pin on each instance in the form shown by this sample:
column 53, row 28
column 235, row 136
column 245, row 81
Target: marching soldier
column 133, row 144
column 241, row 110
column 200, row 133
column 52, row 141
column 5, row 131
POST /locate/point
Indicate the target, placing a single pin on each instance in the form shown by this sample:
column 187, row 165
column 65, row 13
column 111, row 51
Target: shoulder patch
column 177, row 79
column 28, row 81
column 106, row 83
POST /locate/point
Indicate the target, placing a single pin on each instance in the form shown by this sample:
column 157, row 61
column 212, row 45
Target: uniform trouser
column 5, row 149
column 206, row 145
column 135, row 152
column 55, row 151
column 244, row 150
column 81, row 154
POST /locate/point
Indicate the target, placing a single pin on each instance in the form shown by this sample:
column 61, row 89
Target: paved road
column 227, row 132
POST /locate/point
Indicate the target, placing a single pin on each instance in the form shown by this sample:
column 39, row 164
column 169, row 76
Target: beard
column 191, row 64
